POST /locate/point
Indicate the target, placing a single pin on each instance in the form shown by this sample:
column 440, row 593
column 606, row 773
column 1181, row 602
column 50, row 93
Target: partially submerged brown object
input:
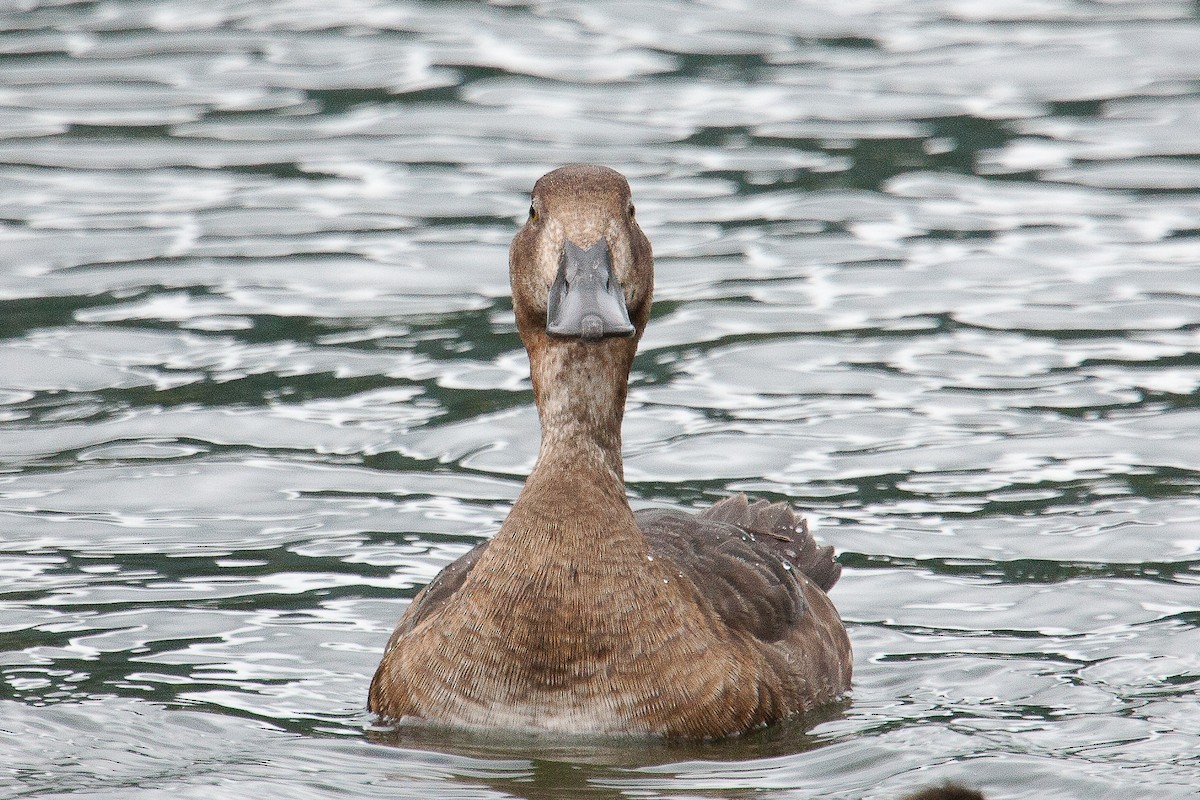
column 580, row 616
column 947, row 791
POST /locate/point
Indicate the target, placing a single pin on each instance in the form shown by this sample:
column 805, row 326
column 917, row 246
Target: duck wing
column 745, row 559
column 783, row 533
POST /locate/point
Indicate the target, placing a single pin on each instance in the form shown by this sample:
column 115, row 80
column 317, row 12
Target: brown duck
column 581, row 616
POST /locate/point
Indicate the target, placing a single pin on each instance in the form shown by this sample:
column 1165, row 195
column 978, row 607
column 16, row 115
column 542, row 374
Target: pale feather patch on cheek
column 550, row 245
column 622, row 257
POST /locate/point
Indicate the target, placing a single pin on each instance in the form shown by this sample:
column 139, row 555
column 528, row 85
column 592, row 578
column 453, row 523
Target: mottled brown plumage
column 580, row 616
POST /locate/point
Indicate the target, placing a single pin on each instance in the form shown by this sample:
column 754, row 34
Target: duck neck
column 580, row 390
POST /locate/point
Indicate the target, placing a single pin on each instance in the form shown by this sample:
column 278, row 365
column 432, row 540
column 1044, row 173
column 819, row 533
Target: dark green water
column 930, row 270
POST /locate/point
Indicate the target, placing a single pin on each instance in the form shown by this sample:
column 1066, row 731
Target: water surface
column 928, row 270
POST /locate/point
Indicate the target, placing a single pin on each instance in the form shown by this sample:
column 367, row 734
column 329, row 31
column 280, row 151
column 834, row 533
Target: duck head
column 582, row 275
column 581, row 269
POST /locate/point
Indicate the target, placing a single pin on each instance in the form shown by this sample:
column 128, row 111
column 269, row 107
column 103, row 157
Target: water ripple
column 926, row 270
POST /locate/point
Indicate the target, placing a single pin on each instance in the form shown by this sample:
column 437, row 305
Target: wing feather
column 745, row 559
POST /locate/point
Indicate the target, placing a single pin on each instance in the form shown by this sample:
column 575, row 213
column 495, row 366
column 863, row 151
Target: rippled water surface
column 931, row 270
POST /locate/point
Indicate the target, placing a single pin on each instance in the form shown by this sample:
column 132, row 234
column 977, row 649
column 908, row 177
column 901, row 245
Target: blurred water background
column 931, row 270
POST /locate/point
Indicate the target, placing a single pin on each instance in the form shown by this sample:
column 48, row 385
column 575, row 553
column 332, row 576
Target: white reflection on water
column 928, row 270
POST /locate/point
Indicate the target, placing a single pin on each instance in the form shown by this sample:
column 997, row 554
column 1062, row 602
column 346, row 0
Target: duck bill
column 586, row 300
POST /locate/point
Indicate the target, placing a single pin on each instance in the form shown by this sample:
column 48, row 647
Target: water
column 929, row 270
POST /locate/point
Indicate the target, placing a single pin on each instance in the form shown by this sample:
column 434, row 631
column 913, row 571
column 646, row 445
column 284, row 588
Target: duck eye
column 632, row 210
column 533, row 215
